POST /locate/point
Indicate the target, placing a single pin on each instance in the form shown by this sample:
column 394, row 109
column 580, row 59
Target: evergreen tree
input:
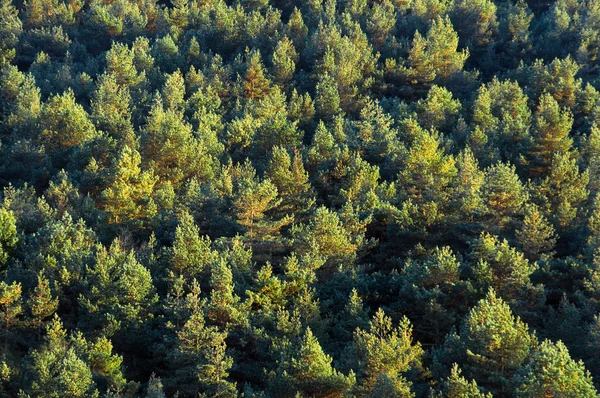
column 551, row 135
column 58, row 370
column 284, row 61
column 551, row 371
column 308, row 370
column 10, row 30
column 536, row 236
column 492, row 346
column 128, row 197
column 503, row 191
column 467, row 198
column 253, row 201
column 111, row 109
column 292, row 182
column 384, row 350
column 191, row 254
column 563, row 191
column 8, row 233
column 456, row 386
column 41, row 303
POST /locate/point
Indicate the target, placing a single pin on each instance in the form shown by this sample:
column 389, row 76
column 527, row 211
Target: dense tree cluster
column 321, row 198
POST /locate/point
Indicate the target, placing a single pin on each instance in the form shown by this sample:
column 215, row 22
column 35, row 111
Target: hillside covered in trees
column 319, row 198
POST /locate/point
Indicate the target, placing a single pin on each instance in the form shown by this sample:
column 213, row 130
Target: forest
column 319, row 198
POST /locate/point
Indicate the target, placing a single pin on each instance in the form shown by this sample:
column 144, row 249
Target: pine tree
column 200, row 357
column 252, row 203
column 292, row 182
column 11, row 308
column 255, row 83
column 128, row 197
column 327, row 98
column 191, row 253
column 467, row 198
column 381, row 22
column 327, row 233
column 58, row 370
column 551, row 135
column 492, row 346
column 503, row 191
column 155, row 388
column 111, row 109
column 384, row 350
column 536, row 236
column 438, row 110
column 284, row 61
column 173, row 92
column 170, row 148
column 120, row 291
column 456, row 386
column 563, row 191
column 11, row 28
column 426, row 178
column 224, row 308
column 26, row 109
column 41, row 303
column 8, row 234
column 501, row 266
column 307, row 370
column 501, row 113
column 551, row 372
column 65, row 124
column 436, row 56
column 479, row 34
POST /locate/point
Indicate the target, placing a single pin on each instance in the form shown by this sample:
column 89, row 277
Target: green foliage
column 386, row 351
column 216, row 197
column 551, row 371
column 8, row 233
column 308, row 370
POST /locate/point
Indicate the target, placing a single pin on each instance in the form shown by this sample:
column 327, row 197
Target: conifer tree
column 41, row 303
column 191, row 253
column 155, row 388
column 426, row 178
column 327, row 98
column 467, row 198
column 502, row 266
column 11, row 308
column 8, row 233
column 503, row 191
column 292, row 182
column 456, row 386
column 384, row 349
column 492, row 346
column 308, row 370
column 438, row 110
column 65, row 124
column 536, row 236
column 551, row 135
column 436, row 56
column 128, row 197
column 552, row 372
column 111, row 109
column 10, row 30
column 120, row 289
column 58, row 370
column 253, row 201
column 170, row 148
column 224, row 308
column 284, row 61
column 563, row 191
column 173, row 92
column 256, row 85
